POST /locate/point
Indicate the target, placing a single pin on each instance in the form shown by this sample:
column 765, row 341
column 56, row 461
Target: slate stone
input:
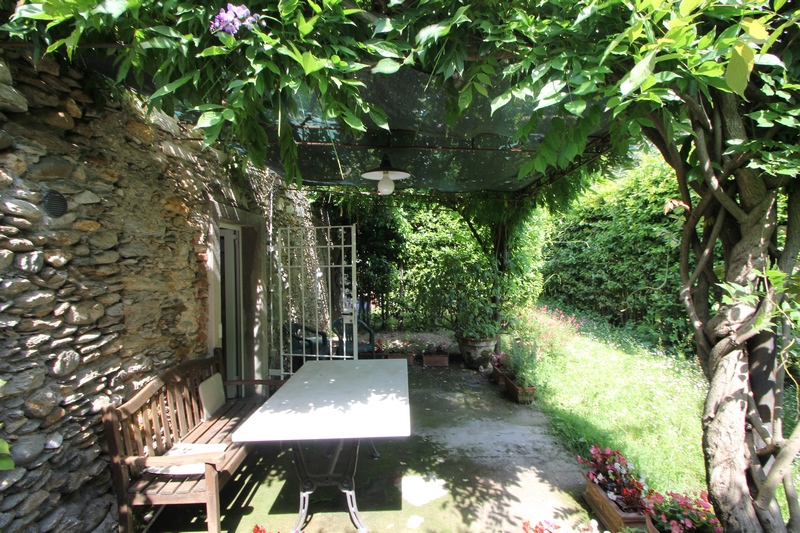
column 11, row 501
column 23, row 382
column 9, row 478
column 12, row 287
column 20, row 208
column 41, row 403
column 62, row 239
column 16, row 244
column 82, row 313
column 31, row 262
column 6, row 259
column 50, row 167
column 52, row 520
column 12, row 100
column 27, row 448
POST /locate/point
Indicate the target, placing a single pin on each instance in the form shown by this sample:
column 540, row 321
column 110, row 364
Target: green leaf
column 214, row 51
column 576, row 107
column 166, row 30
column 379, row 118
column 4, row 447
column 6, row 463
column 353, row 121
column 310, row 63
column 287, row 7
column 739, row 68
column 465, row 98
column 687, row 6
column 432, row 33
column 526, row 169
column 551, row 89
column 115, row 8
column 585, row 13
column 386, row 66
column 208, row 119
column 500, row 101
column 481, row 89
column 755, row 29
column 640, row 72
column 172, row 87
column 385, row 49
column 32, row 11
column 305, row 26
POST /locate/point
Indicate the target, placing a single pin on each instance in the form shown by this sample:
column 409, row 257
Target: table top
column 335, row 400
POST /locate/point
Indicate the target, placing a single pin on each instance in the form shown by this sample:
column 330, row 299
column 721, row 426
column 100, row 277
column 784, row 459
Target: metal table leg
column 344, row 481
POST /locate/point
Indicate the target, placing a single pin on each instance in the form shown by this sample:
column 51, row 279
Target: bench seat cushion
column 182, row 449
column 212, row 395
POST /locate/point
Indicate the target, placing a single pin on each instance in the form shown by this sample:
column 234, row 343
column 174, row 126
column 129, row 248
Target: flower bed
column 610, row 476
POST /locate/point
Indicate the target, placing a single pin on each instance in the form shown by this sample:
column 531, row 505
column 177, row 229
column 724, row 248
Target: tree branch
column 793, row 525
column 697, row 111
column 781, row 466
column 711, row 178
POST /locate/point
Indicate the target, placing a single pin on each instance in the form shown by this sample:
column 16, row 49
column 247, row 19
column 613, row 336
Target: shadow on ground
column 476, row 462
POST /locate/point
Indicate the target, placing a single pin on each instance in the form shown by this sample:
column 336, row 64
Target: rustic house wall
column 97, row 300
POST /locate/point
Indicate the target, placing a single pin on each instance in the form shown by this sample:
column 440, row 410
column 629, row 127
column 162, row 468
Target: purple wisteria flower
column 231, row 19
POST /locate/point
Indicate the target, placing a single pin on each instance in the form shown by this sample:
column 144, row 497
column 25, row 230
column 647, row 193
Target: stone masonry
column 97, row 300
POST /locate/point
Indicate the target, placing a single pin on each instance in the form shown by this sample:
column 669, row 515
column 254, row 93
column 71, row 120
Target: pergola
column 478, row 153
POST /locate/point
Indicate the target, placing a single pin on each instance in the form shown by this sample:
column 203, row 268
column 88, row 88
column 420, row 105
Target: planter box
column 498, row 376
column 409, row 357
column 520, row 394
column 435, row 360
column 609, row 512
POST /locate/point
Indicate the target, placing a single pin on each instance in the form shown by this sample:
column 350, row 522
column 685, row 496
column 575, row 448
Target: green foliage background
column 615, row 252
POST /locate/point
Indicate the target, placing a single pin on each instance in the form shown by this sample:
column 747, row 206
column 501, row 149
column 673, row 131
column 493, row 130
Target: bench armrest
column 173, row 460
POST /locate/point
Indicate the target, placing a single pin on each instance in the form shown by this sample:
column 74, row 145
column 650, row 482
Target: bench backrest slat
column 156, row 411
column 164, row 411
column 164, row 420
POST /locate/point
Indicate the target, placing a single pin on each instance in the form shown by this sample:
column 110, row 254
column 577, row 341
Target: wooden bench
column 167, row 414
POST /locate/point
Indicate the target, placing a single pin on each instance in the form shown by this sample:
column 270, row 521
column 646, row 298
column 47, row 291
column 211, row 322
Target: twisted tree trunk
column 745, row 454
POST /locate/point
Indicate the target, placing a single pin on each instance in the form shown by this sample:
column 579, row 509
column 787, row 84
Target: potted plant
column 436, row 355
column 520, row 379
column 395, row 350
column 476, row 332
column 614, row 492
column 500, row 367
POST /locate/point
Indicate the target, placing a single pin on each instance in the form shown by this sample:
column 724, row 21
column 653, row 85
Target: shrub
column 548, row 328
column 522, row 358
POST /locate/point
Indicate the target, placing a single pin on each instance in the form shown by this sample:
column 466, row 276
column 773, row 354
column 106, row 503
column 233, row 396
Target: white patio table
column 337, row 401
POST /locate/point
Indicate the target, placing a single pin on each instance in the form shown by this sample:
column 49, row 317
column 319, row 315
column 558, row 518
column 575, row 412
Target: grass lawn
column 598, row 390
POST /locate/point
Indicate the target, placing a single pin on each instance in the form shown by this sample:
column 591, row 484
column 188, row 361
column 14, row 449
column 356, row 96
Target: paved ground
column 476, row 462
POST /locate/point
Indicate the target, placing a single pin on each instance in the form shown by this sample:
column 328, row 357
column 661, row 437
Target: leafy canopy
column 631, row 58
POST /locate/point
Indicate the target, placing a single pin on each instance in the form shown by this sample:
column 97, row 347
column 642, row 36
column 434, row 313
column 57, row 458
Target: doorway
column 231, row 330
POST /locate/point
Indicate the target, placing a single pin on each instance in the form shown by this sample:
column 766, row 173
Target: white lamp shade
column 386, row 185
column 385, row 170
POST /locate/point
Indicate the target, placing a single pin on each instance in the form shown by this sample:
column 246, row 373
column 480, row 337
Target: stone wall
column 95, row 301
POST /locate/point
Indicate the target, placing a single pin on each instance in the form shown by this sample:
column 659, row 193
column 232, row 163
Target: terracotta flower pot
column 523, row 395
column 609, row 512
column 475, row 352
column 409, row 357
column 435, row 360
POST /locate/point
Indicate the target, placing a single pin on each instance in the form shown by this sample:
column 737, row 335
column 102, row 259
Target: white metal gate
column 315, row 296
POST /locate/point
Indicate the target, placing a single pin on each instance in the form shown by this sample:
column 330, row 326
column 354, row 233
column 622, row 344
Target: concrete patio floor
column 475, row 462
